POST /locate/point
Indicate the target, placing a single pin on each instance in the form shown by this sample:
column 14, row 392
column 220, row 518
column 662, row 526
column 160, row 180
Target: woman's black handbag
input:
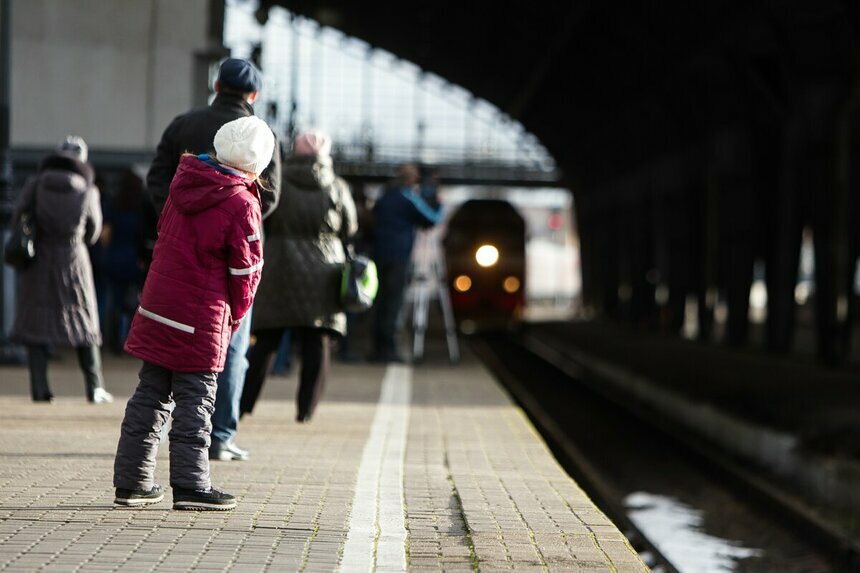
column 20, row 250
column 359, row 283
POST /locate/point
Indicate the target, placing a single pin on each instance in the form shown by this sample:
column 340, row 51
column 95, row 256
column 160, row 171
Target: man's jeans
column 230, row 384
column 393, row 279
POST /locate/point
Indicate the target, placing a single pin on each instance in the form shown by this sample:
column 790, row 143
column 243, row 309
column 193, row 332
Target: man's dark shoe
column 210, row 499
column 138, row 497
column 226, row 452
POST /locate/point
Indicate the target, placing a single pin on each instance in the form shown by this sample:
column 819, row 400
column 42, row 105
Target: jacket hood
column 59, row 168
column 309, row 173
column 199, row 185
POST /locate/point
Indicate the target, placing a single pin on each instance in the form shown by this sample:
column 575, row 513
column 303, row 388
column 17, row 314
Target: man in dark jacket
column 237, row 87
column 397, row 214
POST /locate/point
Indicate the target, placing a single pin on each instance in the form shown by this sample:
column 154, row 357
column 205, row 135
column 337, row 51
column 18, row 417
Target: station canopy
column 609, row 85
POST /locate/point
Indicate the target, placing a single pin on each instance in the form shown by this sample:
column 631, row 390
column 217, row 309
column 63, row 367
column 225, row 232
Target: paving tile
column 480, row 489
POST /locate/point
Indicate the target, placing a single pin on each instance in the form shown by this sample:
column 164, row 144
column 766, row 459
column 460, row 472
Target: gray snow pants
column 146, row 413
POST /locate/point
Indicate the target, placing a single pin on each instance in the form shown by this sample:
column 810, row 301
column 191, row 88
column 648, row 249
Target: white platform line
column 377, row 527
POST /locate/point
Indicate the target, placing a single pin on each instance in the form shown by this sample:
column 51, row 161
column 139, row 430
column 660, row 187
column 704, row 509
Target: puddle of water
column 675, row 529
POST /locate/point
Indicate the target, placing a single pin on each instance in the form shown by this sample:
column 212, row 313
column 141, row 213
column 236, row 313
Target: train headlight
column 462, row 283
column 487, row 255
column 511, row 285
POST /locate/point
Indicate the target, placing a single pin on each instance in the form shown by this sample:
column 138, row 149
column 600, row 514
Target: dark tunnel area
column 702, row 141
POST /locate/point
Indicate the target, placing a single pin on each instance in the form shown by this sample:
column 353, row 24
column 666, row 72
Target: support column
column 643, row 279
column 587, row 252
column 681, row 225
column 662, row 228
column 9, row 353
column 708, row 253
column 733, row 176
column 834, row 255
column 784, row 252
column 624, row 258
column 609, row 260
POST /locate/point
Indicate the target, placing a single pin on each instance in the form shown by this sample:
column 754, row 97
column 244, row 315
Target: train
column 485, row 259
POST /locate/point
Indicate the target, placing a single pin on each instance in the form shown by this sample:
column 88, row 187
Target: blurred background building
column 116, row 74
column 113, row 72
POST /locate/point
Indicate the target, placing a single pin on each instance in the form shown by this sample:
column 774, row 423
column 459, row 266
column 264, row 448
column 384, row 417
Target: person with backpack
column 300, row 287
column 397, row 214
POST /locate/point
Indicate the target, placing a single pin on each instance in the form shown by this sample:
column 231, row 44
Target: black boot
column 90, row 359
column 37, row 358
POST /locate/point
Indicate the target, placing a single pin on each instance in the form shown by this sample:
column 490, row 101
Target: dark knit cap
column 240, row 75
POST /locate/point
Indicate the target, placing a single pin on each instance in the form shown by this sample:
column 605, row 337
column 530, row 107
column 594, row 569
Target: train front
column 485, row 249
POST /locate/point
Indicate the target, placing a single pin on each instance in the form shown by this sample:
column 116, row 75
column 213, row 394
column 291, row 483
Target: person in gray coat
column 56, row 298
column 301, row 280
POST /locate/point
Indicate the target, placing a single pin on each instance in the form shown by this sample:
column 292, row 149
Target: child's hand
column 234, row 325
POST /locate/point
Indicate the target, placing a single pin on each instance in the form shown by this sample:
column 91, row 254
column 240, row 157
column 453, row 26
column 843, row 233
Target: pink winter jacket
column 205, row 269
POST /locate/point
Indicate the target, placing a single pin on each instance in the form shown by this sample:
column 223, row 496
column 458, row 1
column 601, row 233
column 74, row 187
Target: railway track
column 644, row 474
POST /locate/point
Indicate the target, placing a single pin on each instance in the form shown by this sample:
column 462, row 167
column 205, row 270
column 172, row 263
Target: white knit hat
column 74, row 145
column 246, row 144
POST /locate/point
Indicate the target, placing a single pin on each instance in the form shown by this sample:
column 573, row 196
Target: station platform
column 788, row 415
column 425, row 468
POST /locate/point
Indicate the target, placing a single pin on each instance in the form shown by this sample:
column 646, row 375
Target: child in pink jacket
column 204, row 274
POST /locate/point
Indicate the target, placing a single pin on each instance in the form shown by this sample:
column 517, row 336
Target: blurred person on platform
column 284, row 356
column 398, row 212
column 205, row 270
column 148, row 237
column 361, row 243
column 122, row 235
column 301, row 282
column 56, row 297
column 237, row 87
column 430, row 186
column 96, row 253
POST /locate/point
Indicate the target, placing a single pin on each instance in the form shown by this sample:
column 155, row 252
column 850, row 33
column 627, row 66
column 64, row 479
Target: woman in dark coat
column 304, row 259
column 56, row 298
